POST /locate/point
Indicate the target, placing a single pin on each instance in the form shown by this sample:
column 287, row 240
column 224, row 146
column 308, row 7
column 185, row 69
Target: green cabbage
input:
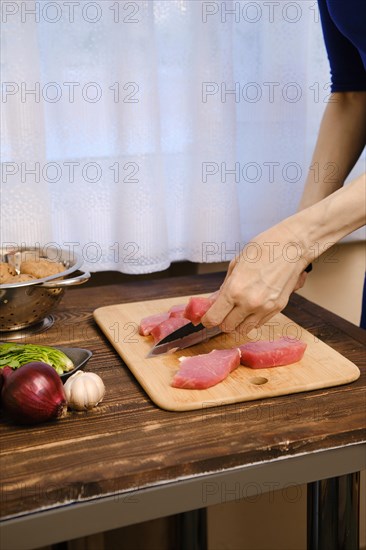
column 16, row 355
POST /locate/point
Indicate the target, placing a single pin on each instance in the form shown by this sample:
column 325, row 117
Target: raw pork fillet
column 148, row 323
column 262, row 355
column 203, row 371
column 177, row 311
column 196, row 308
column 167, row 327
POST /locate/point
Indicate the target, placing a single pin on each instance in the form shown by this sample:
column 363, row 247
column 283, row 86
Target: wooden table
column 110, row 467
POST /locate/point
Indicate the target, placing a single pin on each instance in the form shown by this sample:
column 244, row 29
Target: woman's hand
column 259, row 281
column 261, row 278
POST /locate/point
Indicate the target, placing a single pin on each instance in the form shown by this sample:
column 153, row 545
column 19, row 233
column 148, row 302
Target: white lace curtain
column 145, row 132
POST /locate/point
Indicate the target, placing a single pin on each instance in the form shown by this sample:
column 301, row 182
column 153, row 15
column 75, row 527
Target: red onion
column 33, row 393
column 2, row 379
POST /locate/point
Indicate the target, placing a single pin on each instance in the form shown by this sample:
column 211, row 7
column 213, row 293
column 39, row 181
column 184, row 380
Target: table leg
column 333, row 513
column 191, row 530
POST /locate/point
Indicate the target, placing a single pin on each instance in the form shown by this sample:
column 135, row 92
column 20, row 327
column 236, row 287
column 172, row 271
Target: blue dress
column 344, row 30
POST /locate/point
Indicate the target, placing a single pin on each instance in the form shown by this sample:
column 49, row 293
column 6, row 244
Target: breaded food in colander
column 6, row 273
column 41, row 268
column 22, row 278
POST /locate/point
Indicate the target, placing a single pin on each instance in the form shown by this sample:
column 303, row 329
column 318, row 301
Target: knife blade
column 184, row 337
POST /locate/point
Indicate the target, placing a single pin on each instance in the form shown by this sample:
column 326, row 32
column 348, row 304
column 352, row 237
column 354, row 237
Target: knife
column 183, row 337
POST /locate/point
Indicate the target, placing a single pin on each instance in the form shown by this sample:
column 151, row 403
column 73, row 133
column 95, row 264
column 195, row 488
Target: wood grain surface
column 128, row 443
column 320, row 367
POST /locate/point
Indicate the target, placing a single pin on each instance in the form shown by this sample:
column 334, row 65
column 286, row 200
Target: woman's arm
column 332, row 218
column 257, row 287
column 341, row 139
column 262, row 277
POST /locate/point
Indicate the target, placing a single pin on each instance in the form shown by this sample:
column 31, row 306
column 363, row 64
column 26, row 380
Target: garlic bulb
column 84, row 390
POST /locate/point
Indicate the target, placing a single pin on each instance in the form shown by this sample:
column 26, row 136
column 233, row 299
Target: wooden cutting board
column 320, row 367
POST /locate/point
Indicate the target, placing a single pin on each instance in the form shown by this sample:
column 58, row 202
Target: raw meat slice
column 262, row 355
column 167, row 327
column 196, row 308
column 177, row 311
column 206, row 370
column 148, row 323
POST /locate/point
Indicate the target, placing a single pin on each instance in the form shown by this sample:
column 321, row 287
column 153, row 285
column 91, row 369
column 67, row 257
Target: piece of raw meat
column 197, row 307
column 206, row 370
column 167, row 327
column 177, row 311
column 262, row 355
column 148, row 323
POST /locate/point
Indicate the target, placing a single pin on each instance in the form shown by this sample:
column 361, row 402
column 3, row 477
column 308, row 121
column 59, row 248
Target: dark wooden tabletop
column 128, row 442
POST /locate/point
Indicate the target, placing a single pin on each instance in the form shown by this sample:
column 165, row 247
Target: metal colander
column 27, row 303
